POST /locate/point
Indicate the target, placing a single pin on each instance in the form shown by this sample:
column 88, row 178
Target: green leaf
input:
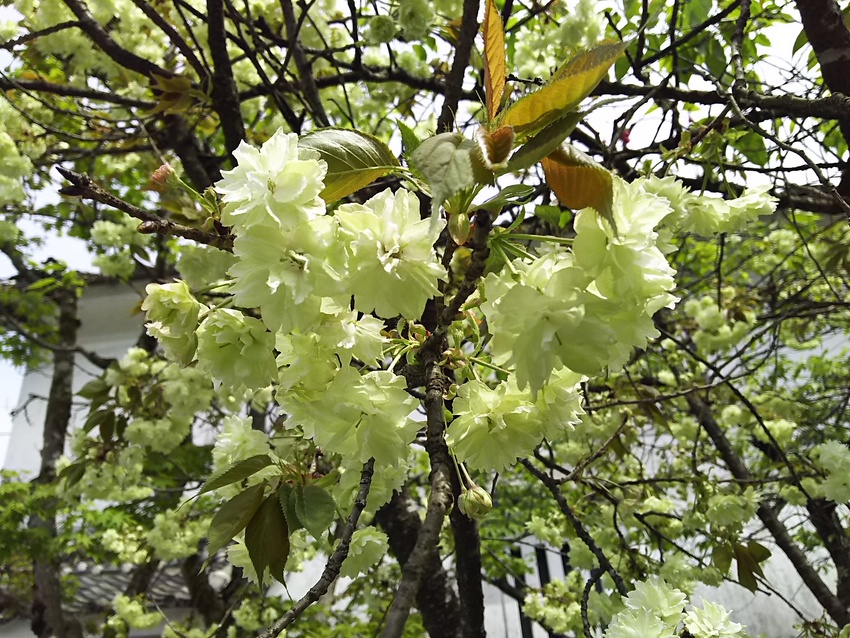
column 569, row 86
column 97, row 418
column 316, row 508
column 107, row 427
column 760, row 553
column 450, row 163
column 72, row 473
column 354, row 159
column 234, row 516
column 236, row 472
column 801, row 41
column 751, row 144
column 579, row 182
column 748, row 563
column 544, row 143
column 721, row 558
column 286, row 496
column 408, row 137
column 267, row 539
column 47, row 282
column 94, row 389
column 510, row 195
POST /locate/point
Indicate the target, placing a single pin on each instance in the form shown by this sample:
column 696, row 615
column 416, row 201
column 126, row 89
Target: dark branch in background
column 67, row 90
column 831, row 603
column 201, row 167
column 468, row 568
column 825, row 30
column 7, row 319
column 156, row 17
column 555, row 489
column 454, row 81
column 225, row 95
column 110, row 47
column 48, row 618
column 334, row 564
column 437, row 603
column 305, row 69
column 86, row 188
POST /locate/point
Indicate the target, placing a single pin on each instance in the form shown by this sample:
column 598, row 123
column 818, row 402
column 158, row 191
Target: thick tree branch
column 225, row 95
column 555, row 489
column 48, row 618
column 437, row 602
column 439, row 501
column 463, row 50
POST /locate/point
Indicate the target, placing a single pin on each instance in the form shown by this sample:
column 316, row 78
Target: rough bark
column 48, row 619
column 437, row 601
column 830, row 40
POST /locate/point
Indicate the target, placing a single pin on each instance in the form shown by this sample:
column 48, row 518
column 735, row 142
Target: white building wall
column 110, row 322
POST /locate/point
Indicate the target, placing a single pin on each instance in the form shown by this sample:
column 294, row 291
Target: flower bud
column 475, row 503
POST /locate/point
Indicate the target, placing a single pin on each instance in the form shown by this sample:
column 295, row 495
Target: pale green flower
column 381, row 29
column 275, row 185
column 639, row 623
column 359, row 416
column 172, row 312
column 393, row 269
column 493, row 426
column 657, row 596
column 238, row 441
column 712, row 621
column 368, row 546
column 236, row 350
column 285, row 274
column 415, row 18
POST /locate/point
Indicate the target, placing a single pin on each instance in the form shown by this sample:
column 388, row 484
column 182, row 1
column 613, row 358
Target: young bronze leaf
column 496, row 146
column 355, row 159
column 236, row 472
column 563, row 92
column 579, row 182
column 233, row 517
column 267, row 539
column 494, row 57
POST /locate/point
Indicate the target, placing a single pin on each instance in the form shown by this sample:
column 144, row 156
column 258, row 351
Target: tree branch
column 305, row 69
column 833, row 606
column 554, row 488
column 454, row 81
column 225, row 95
column 85, row 187
column 334, row 564
column 110, row 47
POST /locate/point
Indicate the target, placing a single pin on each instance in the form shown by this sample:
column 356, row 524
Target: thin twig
column 553, row 487
column 85, row 187
column 334, row 564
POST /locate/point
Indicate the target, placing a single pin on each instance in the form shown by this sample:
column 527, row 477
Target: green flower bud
column 381, row 29
column 475, row 503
